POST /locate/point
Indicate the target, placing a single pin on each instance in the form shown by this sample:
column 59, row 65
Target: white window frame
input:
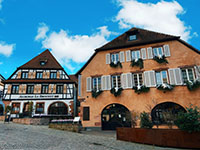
column 136, row 54
column 161, row 76
column 157, row 50
column 115, row 77
column 98, row 80
column 115, row 58
column 132, row 37
column 138, row 79
column 187, row 74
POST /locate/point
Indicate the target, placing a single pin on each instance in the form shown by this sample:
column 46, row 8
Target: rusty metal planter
column 160, row 137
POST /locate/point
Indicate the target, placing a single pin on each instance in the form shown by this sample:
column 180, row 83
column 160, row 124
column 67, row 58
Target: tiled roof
column 74, row 78
column 143, row 37
column 47, row 57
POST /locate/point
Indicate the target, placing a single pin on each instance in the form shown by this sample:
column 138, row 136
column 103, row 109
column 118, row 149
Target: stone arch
column 58, row 108
column 115, row 115
column 157, row 113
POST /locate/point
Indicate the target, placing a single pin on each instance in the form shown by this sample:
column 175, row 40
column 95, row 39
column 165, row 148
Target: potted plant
column 141, row 88
column 137, row 62
column 165, row 87
column 116, row 91
column 96, row 93
column 160, row 59
column 116, row 64
column 192, row 85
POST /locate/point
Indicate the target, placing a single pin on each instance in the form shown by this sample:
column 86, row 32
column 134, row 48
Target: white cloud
column 161, row 17
column 74, row 48
column 1, row 3
column 6, row 49
column 41, row 32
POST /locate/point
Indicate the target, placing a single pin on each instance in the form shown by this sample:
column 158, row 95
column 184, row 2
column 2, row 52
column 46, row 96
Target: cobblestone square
column 17, row 136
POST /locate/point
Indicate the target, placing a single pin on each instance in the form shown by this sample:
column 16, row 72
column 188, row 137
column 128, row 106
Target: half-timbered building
column 43, row 83
column 138, row 71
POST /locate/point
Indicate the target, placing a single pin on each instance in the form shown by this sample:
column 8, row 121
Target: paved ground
column 16, row 136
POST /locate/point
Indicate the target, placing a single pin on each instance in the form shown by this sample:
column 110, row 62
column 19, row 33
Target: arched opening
column 58, row 108
column 159, row 112
column 1, row 109
column 115, row 115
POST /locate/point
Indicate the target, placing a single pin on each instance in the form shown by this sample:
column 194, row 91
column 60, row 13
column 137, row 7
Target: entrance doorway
column 58, row 108
column 115, row 115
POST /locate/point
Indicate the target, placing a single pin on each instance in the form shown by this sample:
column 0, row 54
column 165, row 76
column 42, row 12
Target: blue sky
column 73, row 29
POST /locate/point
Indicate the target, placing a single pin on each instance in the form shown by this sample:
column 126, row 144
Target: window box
column 96, row 93
column 139, row 89
column 116, row 91
column 116, row 64
column 137, row 62
column 192, row 85
column 160, row 59
column 165, row 87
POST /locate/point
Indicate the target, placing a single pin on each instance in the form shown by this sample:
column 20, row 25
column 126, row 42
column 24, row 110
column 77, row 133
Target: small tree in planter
column 169, row 118
column 139, row 89
column 116, row 64
column 192, row 85
column 145, row 121
column 116, row 91
column 137, row 62
column 96, row 93
column 160, row 59
column 190, row 120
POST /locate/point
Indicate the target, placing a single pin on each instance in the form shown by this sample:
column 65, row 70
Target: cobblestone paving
column 16, row 136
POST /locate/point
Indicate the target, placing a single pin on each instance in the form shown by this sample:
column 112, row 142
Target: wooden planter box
column 161, row 137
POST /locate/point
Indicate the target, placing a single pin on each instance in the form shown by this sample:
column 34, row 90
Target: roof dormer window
column 43, row 62
column 132, row 37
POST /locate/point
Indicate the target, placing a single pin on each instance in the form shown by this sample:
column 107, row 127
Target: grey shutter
column 147, row 79
column 197, row 72
column 129, row 80
column 150, row 52
column 108, row 58
column 123, row 81
column 172, row 77
column 89, row 84
column 166, row 50
column 103, row 82
column 143, row 53
column 79, row 85
column 108, row 82
column 178, row 76
column 133, row 81
column 128, row 55
column 152, row 78
column 122, row 59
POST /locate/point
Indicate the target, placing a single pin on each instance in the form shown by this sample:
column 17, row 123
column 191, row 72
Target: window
column 161, row 77
column 45, row 89
column 132, row 37
column 86, row 113
column 135, row 55
column 15, row 89
column 30, row 89
column 115, row 58
column 24, row 75
column 39, row 108
column 96, row 83
column 137, row 79
column 53, row 75
column 15, row 108
column 39, row 75
column 187, row 75
column 59, row 89
column 158, row 51
column 116, row 81
column 70, row 91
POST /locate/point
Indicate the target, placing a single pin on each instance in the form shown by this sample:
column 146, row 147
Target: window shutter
column 121, row 56
column 150, row 52
column 89, row 84
column 178, row 76
column 143, row 53
column 128, row 55
column 152, row 78
column 146, row 79
column 108, row 58
column 197, row 71
column 103, row 82
column 129, row 80
column 166, row 50
column 79, row 85
column 172, row 77
column 123, row 81
column 108, row 82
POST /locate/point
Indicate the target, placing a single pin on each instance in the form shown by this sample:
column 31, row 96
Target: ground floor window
column 58, row 108
column 15, row 108
column 160, row 112
column 39, row 109
column 86, row 113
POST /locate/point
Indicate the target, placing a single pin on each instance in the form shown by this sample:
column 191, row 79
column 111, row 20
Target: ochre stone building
column 168, row 63
column 43, row 83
